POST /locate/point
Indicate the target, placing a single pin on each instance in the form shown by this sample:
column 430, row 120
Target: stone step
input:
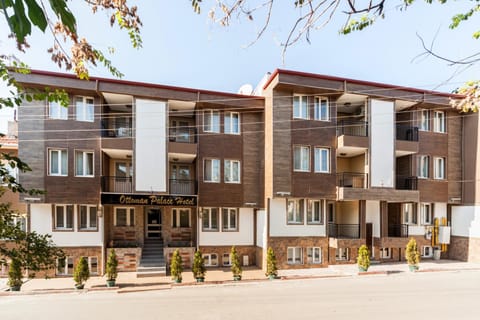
column 144, row 262
column 153, row 271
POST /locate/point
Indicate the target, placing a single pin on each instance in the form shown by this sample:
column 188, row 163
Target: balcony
column 352, row 128
column 117, row 184
column 352, row 180
column 344, row 231
column 407, row 133
column 407, row 140
column 407, row 183
column 182, row 135
column 182, row 187
column 398, row 230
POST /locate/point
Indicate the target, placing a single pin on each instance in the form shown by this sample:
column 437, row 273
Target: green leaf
column 63, row 12
column 19, row 22
column 36, row 14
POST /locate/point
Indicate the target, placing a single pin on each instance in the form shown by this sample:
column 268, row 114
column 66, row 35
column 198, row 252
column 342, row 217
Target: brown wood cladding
column 454, row 160
column 282, row 144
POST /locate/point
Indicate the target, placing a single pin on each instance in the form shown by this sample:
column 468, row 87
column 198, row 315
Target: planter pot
column 178, row 280
column 200, row 279
column 15, row 288
column 237, row 278
column 79, row 286
column 413, row 268
column 272, row 277
column 111, row 283
column 362, row 269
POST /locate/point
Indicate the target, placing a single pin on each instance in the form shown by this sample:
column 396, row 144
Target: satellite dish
column 246, row 89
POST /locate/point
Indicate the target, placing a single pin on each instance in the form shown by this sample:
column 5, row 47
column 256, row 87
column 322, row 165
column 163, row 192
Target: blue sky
column 184, row 49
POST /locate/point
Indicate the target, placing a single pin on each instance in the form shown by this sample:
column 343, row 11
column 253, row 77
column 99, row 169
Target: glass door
column 180, row 179
column 123, row 177
column 154, row 223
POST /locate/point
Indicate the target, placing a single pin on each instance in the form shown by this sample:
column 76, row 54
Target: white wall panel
column 382, row 154
column 150, row 158
column 373, row 216
column 466, row 221
column 244, row 235
column 261, row 236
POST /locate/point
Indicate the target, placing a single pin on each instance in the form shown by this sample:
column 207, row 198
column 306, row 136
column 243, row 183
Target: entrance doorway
column 154, row 223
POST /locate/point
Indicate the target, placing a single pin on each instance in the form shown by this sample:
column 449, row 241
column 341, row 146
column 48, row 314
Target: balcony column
column 362, row 218
column 383, row 219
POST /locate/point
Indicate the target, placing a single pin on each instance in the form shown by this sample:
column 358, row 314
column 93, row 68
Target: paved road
column 442, row 295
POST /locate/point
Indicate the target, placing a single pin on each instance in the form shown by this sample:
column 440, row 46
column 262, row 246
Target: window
column 232, row 171
column 57, row 111
column 210, row 219
column 331, row 212
column 20, row 221
column 84, row 163
column 342, row 254
column 58, row 162
column 211, row 170
column 439, row 122
column 65, row 266
column 424, row 120
column 427, row 251
column 181, row 218
column 385, row 253
column 300, row 107
column 314, row 255
column 211, row 121
column 423, row 164
column 84, row 109
column 294, row 255
column 63, row 216
column 315, row 211
column 322, row 160
column 92, row 264
column 301, row 158
column 88, row 217
column 210, row 259
column 226, row 260
column 229, row 219
column 321, row 109
column 124, row 217
column 409, row 213
column 439, row 168
column 232, row 123
column 426, row 211
column 295, row 210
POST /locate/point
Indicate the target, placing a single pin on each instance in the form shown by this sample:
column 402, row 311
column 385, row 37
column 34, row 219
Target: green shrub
column 15, row 274
column 112, row 264
column 81, row 273
column 411, row 253
column 176, row 266
column 363, row 258
column 236, row 267
column 198, row 267
column 271, row 263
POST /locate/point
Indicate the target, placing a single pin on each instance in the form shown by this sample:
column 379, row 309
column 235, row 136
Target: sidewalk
column 128, row 282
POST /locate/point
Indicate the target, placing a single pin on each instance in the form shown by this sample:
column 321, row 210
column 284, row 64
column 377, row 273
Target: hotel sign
column 148, row 200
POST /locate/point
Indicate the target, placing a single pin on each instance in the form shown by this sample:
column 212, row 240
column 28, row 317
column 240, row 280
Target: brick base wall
column 280, row 245
column 185, row 253
column 128, row 258
column 249, row 251
column 464, row 249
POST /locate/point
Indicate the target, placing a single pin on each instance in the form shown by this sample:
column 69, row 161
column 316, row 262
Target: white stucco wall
column 150, row 158
column 261, row 236
column 466, row 221
column 373, row 216
column 280, row 228
column 41, row 222
column 244, row 236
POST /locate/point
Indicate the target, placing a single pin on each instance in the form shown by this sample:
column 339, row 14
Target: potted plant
column 198, row 267
column 272, row 270
column 15, row 276
column 412, row 255
column 236, row 267
column 81, row 273
column 363, row 258
column 176, row 267
column 111, row 268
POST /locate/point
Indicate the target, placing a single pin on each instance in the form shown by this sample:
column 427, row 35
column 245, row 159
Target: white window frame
column 67, row 261
column 311, row 211
column 176, row 217
column 409, row 214
column 90, row 261
column 424, row 124
column 295, row 211
column 423, row 167
column 439, row 168
column 314, row 255
column 320, row 154
column 294, row 255
column 89, row 220
column 304, row 154
column 66, row 212
column 229, row 171
column 214, row 169
column 207, row 214
column 62, row 160
column 385, row 253
column 321, row 109
column 226, row 260
column 227, row 223
column 208, row 258
column 211, row 121
column 439, row 122
column 342, row 254
column 426, row 210
column 300, row 107
column 82, row 171
column 427, row 252
column 56, row 111
column 84, row 109
column 230, row 127
column 130, row 219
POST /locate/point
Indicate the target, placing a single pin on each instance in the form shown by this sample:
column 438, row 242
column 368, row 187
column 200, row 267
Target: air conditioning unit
column 245, row 261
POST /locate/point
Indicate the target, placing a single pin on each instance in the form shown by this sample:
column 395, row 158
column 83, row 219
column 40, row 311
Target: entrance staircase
column 152, row 263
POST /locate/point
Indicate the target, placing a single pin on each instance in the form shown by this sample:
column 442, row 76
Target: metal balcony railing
column 117, row 184
column 182, row 135
column 407, row 183
column 398, row 230
column 407, row 133
column 344, row 231
column 182, row 187
column 352, row 180
column 352, row 128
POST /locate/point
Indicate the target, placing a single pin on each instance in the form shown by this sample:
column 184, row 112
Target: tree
column 198, row 268
column 81, row 273
column 236, row 267
column 111, row 267
column 272, row 270
column 176, row 266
